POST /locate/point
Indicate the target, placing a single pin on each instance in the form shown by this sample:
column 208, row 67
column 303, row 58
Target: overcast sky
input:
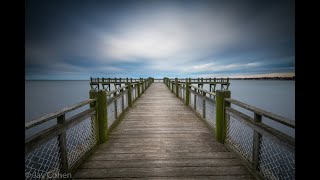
column 83, row 39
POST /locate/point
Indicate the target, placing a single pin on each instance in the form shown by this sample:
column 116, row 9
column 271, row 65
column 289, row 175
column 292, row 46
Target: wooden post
column 122, row 101
column 204, row 105
column 228, row 83
column 62, row 139
column 102, row 83
column 220, row 114
column 115, row 106
column 93, row 94
column 177, row 88
column 98, row 84
column 91, row 83
column 102, row 116
column 143, row 85
column 187, row 94
column 129, row 95
column 138, row 86
column 172, row 87
column 256, row 144
column 194, row 101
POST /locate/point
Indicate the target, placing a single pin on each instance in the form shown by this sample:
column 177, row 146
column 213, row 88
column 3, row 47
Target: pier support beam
column 177, row 88
column 102, row 115
column 129, row 94
column 220, row 114
column 138, row 88
column 187, row 94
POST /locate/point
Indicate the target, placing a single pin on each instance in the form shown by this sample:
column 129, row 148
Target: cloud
column 163, row 38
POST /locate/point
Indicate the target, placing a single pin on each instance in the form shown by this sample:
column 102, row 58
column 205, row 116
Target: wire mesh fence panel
column 109, row 96
column 191, row 101
column 136, row 92
column 80, row 139
column 43, row 160
column 183, row 94
column 239, row 137
column 111, row 114
column 119, row 106
column 125, row 98
column 133, row 94
column 199, row 102
column 275, row 160
column 211, row 113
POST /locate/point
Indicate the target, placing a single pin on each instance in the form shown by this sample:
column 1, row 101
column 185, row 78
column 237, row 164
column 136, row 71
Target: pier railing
column 62, row 147
column 267, row 152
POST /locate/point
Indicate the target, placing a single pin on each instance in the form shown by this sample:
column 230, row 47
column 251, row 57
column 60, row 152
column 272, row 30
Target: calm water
column 42, row 97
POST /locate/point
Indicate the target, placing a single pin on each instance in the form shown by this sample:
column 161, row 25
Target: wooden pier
column 160, row 129
column 162, row 138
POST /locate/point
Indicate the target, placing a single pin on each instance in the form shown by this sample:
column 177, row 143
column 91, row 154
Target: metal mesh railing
column 204, row 106
column 125, row 98
column 210, row 113
column 133, row 93
column 182, row 92
column 199, row 105
column 239, row 137
column 111, row 114
column 119, row 106
column 276, row 162
column 80, row 139
column 43, row 160
column 192, row 98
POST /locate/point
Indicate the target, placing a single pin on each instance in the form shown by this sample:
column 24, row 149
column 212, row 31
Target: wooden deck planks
column 160, row 138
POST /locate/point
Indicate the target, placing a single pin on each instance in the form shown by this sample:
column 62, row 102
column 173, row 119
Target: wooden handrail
column 43, row 136
column 264, row 113
column 279, row 136
column 50, row 116
column 203, row 90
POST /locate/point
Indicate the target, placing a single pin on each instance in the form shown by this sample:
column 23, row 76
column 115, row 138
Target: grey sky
column 79, row 39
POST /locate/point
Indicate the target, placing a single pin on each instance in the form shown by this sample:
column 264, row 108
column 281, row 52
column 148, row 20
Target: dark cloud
column 78, row 39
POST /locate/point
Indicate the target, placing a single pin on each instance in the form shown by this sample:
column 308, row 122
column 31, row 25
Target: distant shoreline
column 266, row 78
column 261, row 78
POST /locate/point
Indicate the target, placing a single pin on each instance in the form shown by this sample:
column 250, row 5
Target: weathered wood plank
column 226, row 177
column 99, row 164
column 164, row 172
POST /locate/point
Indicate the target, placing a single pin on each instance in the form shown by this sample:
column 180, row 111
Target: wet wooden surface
column 160, row 138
